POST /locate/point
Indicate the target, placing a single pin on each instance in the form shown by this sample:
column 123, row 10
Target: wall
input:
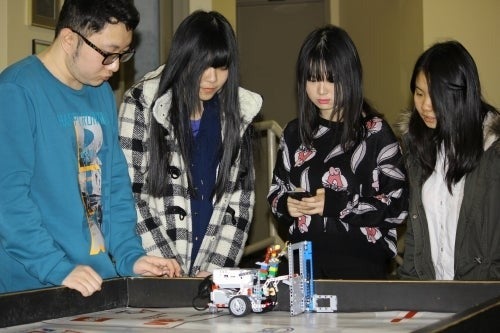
column 391, row 34
column 388, row 36
column 477, row 26
column 3, row 32
column 269, row 50
column 227, row 8
column 19, row 32
column 147, row 38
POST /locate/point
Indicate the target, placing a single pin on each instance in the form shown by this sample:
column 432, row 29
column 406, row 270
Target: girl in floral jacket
column 347, row 158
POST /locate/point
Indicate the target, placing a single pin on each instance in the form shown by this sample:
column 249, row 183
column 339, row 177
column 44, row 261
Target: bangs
column 219, row 58
column 320, row 70
column 216, row 54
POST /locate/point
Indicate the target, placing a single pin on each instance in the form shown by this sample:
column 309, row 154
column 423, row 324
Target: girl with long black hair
column 452, row 147
column 342, row 152
column 185, row 131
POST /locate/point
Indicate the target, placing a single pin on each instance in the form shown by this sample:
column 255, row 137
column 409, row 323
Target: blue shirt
column 205, row 158
column 51, row 131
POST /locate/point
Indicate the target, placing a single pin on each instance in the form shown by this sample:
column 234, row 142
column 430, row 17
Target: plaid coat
column 165, row 224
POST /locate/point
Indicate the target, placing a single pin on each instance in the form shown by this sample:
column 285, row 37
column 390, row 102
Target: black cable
column 203, row 295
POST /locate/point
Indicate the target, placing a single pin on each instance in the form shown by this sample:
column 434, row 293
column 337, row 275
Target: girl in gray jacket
column 452, row 150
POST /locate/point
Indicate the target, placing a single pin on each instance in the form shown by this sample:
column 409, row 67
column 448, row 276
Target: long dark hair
column 202, row 40
column 328, row 53
column 455, row 92
column 90, row 16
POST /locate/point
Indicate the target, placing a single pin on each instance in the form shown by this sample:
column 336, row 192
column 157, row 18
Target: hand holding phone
column 298, row 195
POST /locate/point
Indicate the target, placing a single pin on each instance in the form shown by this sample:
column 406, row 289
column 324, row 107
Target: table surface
column 190, row 320
column 363, row 306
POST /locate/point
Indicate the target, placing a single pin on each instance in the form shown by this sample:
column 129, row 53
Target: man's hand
column 157, row 266
column 83, row 279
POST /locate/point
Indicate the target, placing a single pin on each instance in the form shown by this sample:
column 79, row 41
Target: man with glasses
column 108, row 57
column 67, row 214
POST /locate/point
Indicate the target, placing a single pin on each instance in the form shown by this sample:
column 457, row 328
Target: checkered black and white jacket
column 164, row 224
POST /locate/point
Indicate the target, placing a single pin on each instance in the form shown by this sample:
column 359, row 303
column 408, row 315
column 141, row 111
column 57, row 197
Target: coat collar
column 491, row 129
column 250, row 105
column 491, row 126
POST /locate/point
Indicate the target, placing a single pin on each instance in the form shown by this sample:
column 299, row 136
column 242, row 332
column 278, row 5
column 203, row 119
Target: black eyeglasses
column 109, row 58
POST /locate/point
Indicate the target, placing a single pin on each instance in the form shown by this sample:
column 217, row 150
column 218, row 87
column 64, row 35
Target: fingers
column 171, row 268
column 157, row 266
column 314, row 205
column 320, row 191
column 203, row 274
column 83, row 279
column 294, row 207
column 307, row 206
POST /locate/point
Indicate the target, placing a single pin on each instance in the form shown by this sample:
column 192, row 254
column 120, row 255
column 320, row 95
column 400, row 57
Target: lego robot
column 255, row 290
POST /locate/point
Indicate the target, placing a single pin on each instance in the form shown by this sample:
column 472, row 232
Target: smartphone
column 298, row 195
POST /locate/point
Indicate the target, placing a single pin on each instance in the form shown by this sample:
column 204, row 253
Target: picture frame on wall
column 38, row 45
column 44, row 13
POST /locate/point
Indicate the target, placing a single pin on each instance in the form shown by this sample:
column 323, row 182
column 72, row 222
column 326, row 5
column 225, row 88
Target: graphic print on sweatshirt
column 89, row 141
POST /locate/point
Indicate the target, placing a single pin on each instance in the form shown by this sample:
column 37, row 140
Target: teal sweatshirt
column 61, row 167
